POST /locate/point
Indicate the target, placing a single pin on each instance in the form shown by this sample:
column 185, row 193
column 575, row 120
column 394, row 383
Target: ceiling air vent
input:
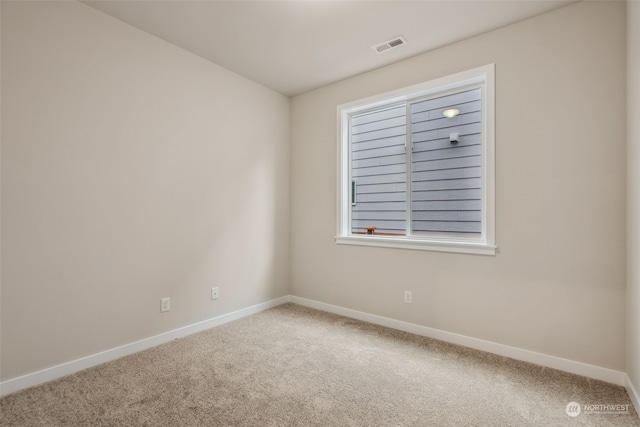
column 389, row 44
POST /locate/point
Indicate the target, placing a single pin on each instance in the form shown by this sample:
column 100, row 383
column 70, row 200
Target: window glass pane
column 446, row 192
column 379, row 171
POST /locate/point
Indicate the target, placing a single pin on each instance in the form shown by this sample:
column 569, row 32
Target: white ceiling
column 296, row 46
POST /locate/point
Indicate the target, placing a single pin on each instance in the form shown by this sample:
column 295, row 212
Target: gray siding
column 379, row 167
column 446, row 178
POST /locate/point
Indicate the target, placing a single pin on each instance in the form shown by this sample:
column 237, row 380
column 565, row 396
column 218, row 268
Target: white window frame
column 485, row 245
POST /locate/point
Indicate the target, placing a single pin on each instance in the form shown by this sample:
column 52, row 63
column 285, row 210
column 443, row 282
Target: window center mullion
column 409, row 152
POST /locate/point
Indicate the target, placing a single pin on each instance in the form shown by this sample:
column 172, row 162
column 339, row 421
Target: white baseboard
column 39, row 377
column 633, row 393
column 591, row 371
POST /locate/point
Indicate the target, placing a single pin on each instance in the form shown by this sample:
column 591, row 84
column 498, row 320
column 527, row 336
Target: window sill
column 418, row 244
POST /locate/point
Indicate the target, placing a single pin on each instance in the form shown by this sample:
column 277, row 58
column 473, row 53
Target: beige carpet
column 293, row 366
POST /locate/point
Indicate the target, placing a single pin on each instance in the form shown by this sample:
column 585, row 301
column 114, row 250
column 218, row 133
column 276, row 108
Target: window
column 417, row 166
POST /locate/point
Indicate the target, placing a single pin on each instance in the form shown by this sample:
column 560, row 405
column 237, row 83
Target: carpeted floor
column 294, row 366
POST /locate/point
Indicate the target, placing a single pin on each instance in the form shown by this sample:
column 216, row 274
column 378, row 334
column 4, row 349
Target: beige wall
column 131, row 171
column 557, row 285
column 633, row 212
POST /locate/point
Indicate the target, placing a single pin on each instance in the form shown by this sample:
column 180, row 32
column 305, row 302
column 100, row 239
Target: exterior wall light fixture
column 451, row 113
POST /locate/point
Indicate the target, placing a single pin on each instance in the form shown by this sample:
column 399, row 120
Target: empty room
column 320, row 213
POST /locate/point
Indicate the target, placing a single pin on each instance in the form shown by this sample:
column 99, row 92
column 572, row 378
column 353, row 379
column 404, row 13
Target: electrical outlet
column 214, row 293
column 407, row 297
column 165, row 304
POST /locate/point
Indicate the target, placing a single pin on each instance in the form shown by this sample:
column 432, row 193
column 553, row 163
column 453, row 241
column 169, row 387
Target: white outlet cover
column 165, row 304
column 407, row 297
